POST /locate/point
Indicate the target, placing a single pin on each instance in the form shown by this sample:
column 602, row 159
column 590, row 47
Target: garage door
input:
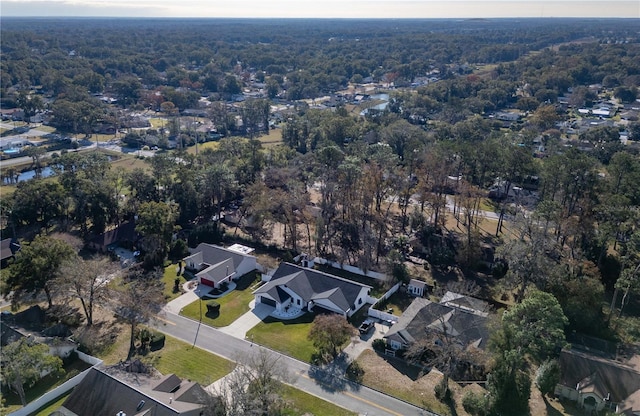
column 267, row 301
column 207, row 282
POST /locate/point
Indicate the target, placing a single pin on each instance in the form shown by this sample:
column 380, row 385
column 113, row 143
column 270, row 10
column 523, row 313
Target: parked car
column 366, row 327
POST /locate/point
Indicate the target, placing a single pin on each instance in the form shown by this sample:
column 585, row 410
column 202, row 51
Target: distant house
column 311, row 290
column 597, row 383
column 8, row 248
column 216, row 265
column 102, row 394
column 416, row 287
column 125, row 235
column 462, row 317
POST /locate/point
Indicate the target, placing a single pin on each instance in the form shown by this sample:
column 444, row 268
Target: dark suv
column 366, row 327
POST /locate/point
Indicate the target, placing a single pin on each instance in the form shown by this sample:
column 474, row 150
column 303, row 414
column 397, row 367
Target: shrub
column 157, row 341
column 442, row 391
column 213, row 307
column 355, row 372
column 476, row 404
column 379, row 345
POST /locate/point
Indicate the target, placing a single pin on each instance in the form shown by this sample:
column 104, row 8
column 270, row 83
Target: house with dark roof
column 125, row 235
column 103, row 394
column 598, row 383
column 8, row 248
column 461, row 317
column 215, row 265
column 311, row 290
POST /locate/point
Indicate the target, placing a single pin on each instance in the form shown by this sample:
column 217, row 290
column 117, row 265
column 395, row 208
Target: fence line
column 60, row 390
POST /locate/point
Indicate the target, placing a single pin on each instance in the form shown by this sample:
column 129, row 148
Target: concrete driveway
column 243, row 324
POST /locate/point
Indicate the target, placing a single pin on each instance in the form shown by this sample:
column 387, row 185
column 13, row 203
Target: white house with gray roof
column 293, row 286
column 215, row 265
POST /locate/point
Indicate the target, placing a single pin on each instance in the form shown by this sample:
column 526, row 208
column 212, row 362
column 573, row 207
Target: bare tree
column 254, row 386
column 139, row 300
column 87, row 280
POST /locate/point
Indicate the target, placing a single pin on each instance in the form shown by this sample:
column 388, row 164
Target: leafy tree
column 156, row 222
column 36, row 267
column 509, row 385
column 329, row 332
column 548, row 376
column 23, row 364
column 535, row 326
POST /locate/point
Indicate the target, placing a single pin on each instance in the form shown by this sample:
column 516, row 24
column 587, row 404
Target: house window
column 360, row 301
column 298, row 302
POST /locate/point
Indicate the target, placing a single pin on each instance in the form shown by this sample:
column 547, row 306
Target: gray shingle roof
column 598, row 375
column 311, row 285
column 423, row 317
column 101, row 394
column 211, row 254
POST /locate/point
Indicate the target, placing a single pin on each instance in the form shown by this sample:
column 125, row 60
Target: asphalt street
column 319, row 382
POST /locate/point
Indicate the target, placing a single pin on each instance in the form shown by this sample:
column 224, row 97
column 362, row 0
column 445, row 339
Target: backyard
column 232, row 305
column 12, row 401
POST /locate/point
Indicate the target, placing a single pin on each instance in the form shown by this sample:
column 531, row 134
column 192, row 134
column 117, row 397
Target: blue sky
column 323, row 8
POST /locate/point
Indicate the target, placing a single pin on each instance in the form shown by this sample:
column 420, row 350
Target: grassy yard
column 52, row 406
column 181, row 359
column 399, row 380
column 287, row 337
column 201, row 146
column 12, row 401
column 398, row 302
column 302, row 403
column 168, row 278
column 274, row 138
column 232, row 305
column 130, row 162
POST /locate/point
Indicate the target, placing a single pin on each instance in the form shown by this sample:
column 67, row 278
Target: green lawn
column 53, row 405
column 232, row 305
column 196, row 364
column 302, row 403
column 399, row 302
column 287, row 337
column 168, row 278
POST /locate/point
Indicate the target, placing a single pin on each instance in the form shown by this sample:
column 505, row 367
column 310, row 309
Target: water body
column 30, row 174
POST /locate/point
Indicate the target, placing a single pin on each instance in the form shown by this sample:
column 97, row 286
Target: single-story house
column 416, row 287
column 456, row 314
column 311, row 290
column 597, row 383
column 125, row 235
column 215, row 265
column 102, row 394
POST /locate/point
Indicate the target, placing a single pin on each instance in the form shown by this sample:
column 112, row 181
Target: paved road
column 332, row 388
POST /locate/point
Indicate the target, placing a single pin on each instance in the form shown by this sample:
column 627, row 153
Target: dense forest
column 368, row 188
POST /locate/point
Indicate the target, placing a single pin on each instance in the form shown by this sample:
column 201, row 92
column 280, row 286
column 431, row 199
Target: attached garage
column 267, row 301
column 207, row 282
